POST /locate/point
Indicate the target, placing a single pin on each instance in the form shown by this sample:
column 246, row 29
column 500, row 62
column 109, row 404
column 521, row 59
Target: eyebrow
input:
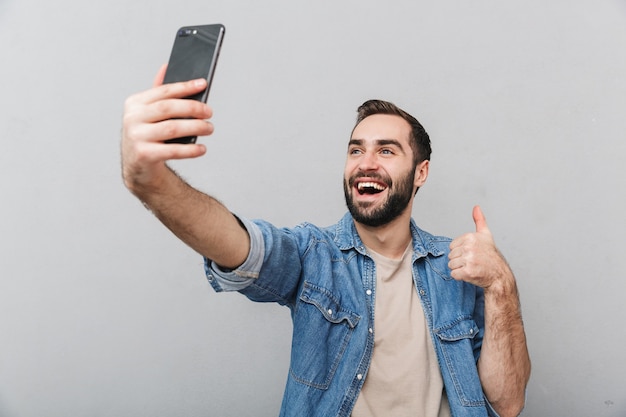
column 379, row 142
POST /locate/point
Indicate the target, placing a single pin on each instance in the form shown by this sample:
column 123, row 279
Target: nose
column 368, row 162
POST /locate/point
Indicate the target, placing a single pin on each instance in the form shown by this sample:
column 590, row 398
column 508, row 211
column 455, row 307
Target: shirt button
column 368, row 292
column 471, row 331
column 422, row 293
column 359, row 377
column 330, row 312
column 371, row 330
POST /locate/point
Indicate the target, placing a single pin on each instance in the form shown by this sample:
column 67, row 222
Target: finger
column 460, row 241
column 455, row 253
column 455, row 264
column 158, row 79
column 479, row 220
column 154, row 153
column 175, row 109
column 170, row 129
column 183, row 151
column 166, row 119
column 165, row 91
column 458, row 274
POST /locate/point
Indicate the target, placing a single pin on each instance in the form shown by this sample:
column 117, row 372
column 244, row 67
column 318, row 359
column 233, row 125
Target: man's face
column 379, row 177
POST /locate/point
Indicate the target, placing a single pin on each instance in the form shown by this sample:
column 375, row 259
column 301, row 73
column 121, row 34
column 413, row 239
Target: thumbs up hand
column 474, row 257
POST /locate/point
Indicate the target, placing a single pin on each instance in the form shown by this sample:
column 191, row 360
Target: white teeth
column 374, row 185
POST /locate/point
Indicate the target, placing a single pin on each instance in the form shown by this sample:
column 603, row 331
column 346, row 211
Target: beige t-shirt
column 404, row 379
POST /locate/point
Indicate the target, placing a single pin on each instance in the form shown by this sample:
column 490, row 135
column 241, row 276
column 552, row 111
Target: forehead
column 383, row 126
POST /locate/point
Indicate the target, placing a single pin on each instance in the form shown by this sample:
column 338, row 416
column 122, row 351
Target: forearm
column 151, row 118
column 504, row 364
column 197, row 219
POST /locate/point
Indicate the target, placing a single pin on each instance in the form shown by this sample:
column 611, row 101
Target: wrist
column 153, row 185
column 502, row 288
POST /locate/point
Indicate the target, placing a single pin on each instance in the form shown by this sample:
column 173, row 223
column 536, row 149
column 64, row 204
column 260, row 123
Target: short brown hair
column 421, row 141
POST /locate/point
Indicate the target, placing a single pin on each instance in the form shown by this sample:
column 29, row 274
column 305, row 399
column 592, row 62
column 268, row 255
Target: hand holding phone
column 194, row 55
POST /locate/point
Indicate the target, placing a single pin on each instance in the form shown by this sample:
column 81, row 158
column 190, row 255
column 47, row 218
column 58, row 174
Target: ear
column 421, row 173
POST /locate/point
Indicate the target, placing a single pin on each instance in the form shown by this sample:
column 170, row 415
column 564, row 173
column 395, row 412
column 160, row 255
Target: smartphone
column 194, row 55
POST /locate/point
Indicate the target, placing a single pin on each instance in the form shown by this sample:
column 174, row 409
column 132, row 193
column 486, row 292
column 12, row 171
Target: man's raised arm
column 162, row 113
column 504, row 364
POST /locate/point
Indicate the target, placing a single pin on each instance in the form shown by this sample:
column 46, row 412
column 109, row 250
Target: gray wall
column 104, row 313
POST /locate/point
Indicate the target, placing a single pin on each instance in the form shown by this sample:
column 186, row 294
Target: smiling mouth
column 368, row 187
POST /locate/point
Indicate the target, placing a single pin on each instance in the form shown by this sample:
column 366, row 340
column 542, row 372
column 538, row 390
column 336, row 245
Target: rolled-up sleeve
column 240, row 278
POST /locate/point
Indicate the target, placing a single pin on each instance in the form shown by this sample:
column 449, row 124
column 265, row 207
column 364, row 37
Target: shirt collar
column 347, row 237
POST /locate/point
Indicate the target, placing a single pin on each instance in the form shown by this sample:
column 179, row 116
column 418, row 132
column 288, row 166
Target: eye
column 386, row 151
column 354, row 151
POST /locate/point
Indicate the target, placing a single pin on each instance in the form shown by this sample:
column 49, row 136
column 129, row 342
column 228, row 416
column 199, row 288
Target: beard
column 397, row 200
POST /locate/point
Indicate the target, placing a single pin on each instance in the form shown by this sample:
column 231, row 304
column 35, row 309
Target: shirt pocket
column 456, row 340
column 322, row 330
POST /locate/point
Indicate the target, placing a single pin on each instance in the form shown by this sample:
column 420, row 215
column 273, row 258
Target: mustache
column 373, row 176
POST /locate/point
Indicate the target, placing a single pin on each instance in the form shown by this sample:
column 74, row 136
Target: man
column 388, row 319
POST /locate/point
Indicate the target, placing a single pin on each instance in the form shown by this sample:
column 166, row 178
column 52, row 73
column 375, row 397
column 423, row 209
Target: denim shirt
column 328, row 280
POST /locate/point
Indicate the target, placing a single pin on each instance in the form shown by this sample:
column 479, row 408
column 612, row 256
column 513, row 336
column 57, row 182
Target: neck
column 389, row 240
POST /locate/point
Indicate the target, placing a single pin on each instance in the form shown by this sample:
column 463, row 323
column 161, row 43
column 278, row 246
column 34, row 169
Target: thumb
column 479, row 220
column 158, row 79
